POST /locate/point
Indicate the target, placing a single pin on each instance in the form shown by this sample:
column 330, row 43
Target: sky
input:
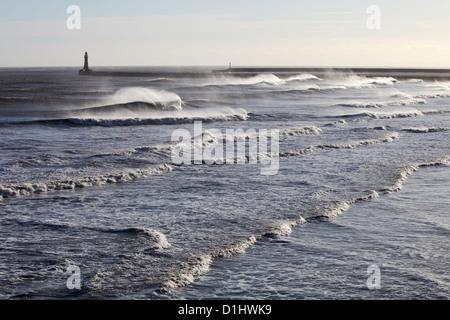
column 303, row 33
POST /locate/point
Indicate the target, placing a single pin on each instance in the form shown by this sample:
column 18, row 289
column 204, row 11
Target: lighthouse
column 86, row 64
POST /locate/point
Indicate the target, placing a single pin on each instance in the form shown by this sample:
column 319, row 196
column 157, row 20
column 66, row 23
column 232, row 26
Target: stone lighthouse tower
column 86, row 64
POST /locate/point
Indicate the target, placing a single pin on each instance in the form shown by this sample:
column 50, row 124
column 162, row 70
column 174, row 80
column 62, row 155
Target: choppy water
column 88, row 181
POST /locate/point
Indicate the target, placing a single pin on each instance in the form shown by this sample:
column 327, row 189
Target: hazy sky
column 244, row 32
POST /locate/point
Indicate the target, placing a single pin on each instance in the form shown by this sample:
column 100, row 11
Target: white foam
column 28, row 189
column 140, row 94
column 387, row 138
column 334, row 209
column 199, row 265
column 165, row 117
column 405, row 171
column 426, row 129
column 433, row 96
column 345, row 81
column 400, row 102
column 402, row 176
column 208, row 139
column 283, row 228
column 188, row 271
column 302, row 77
column 356, row 81
column 300, row 131
column 263, row 78
column 350, row 145
column 394, row 114
column 238, row 247
column 157, row 239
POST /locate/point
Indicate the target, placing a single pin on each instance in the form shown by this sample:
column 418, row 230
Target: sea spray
column 139, row 94
column 264, row 78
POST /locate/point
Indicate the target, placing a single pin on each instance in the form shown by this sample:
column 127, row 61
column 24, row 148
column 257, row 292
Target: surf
column 27, row 189
column 132, row 102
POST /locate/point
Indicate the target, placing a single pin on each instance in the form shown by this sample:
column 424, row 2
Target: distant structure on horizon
column 398, row 73
column 86, row 65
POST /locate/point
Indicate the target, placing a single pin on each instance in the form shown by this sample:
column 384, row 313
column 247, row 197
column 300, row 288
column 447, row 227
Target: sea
column 316, row 187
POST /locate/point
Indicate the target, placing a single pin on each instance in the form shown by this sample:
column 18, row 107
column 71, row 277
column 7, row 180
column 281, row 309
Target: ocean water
column 94, row 206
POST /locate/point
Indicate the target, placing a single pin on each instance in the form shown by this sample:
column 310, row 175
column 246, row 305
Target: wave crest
column 403, row 101
column 350, row 145
column 28, row 189
column 427, row 130
column 404, row 172
column 263, row 78
column 302, row 77
column 157, row 239
column 199, row 265
column 176, row 117
column 150, row 96
column 301, row 131
column 130, row 103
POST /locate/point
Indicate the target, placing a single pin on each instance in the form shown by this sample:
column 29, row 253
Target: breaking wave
column 125, row 110
column 394, row 114
column 13, row 190
column 283, row 228
column 427, row 130
column 199, row 265
column 385, row 114
column 176, row 117
column 356, row 81
column 300, row 131
column 262, row 78
column 403, row 100
column 130, row 103
column 157, row 239
column 143, row 106
column 332, row 209
column 341, row 82
column 189, row 270
column 207, row 140
column 151, row 96
column 155, row 117
column 350, row 145
column 405, row 171
column 302, row 77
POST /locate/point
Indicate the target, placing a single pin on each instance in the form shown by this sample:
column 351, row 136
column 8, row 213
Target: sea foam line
column 269, row 156
column 426, row 129
column 200, row 265
column 351, row 145
column 157, row 239
column 28, row 189
column 195, row 266
column 175, row 118
column 405, row 171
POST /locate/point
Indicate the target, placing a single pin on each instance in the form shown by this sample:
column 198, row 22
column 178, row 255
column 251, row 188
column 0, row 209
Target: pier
column 321, row 72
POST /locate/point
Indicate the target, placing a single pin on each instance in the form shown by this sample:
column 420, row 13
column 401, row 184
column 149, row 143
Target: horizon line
column 226, row 66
